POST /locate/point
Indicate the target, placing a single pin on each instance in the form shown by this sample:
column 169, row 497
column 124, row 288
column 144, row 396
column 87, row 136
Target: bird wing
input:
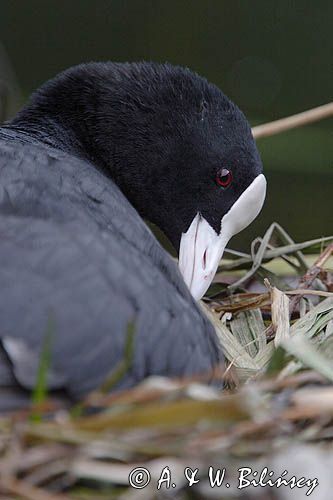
column 80, row 272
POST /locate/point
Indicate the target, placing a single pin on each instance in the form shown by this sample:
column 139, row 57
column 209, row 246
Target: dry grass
column 276, row 330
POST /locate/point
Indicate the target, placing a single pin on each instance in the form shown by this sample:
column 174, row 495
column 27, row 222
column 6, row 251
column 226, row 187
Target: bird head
column 185, row 157
column 181, row 152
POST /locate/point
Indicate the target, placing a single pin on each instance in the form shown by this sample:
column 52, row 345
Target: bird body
column 75, row 252
column 77, row 261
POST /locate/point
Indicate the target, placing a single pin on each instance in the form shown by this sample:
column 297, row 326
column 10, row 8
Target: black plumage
column 96, row 149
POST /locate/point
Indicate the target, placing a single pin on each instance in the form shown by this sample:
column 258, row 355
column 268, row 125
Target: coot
column 97, row 150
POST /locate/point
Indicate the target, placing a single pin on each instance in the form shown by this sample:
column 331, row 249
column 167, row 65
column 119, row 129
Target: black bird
column 98, row 149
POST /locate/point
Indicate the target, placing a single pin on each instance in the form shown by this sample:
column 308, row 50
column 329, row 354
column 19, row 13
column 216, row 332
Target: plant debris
column 275, row 411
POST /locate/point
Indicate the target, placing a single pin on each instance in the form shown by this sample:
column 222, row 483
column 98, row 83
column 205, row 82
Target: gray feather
column 72, row 247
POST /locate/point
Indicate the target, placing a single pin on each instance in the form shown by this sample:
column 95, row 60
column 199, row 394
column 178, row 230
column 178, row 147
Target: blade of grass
column 280, row 314
column 306, row 352
column 40, row 391
column 124, row 365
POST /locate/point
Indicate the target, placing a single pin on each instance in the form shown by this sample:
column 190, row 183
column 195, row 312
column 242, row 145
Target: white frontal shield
column 201, row 248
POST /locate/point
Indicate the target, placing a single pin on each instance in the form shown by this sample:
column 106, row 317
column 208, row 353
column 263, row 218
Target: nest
column 273, row 314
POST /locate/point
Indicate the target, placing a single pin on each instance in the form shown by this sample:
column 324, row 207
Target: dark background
column 272, row 57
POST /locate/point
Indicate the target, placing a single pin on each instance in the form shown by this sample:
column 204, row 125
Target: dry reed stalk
column 293, row 121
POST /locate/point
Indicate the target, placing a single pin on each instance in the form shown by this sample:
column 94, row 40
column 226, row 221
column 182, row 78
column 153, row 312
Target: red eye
column 224, row 177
